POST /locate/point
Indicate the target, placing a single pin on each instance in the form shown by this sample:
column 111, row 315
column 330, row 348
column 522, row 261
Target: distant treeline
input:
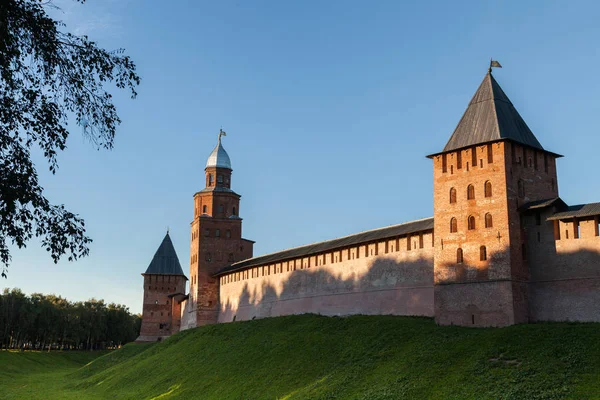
column 52, row 322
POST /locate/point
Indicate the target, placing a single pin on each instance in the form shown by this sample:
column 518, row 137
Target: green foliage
column 313, row 357
column 47, row 321
column 48, row 76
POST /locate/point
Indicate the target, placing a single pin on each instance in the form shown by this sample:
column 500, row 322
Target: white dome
column 219, row 157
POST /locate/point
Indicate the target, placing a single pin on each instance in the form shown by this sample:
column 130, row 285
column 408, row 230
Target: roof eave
column 430, row 156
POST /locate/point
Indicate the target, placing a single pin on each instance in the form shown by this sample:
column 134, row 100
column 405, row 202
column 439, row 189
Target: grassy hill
column 313, row 357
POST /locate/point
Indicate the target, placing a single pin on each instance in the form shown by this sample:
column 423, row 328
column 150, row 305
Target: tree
column 48, row 77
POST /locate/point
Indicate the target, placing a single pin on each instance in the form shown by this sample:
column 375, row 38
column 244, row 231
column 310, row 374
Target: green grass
column 312, row 357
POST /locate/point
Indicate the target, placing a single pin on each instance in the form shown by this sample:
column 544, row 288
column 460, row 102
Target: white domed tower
column 216, row 239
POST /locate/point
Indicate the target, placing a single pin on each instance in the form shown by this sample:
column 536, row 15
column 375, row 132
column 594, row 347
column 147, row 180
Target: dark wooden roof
column 557, row 201
column 578, row 211
column 165, row 260
column 329, row 245
column 490, row 117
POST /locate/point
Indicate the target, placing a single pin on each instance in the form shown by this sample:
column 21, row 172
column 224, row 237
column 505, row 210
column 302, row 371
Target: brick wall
column 371, row 278
column 159, row 319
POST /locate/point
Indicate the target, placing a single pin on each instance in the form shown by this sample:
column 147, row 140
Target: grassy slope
column 358, row 357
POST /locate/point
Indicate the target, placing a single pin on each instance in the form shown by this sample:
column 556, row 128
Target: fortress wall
column 389, row 277
column 565, row 270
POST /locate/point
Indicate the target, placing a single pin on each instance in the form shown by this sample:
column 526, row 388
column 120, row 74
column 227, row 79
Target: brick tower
column 491, row 166
column 216, row 239
column 163, row 282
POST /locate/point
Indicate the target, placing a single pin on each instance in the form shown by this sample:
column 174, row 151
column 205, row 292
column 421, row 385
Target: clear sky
column 329, row 106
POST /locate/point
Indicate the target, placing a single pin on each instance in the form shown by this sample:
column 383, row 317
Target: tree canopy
column 49, row 77
column 48, row 321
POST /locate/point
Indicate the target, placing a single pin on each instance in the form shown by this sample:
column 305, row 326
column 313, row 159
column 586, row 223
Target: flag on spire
column 495, row 64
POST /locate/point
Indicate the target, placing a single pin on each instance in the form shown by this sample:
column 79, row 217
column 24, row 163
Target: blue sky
column 330, row 108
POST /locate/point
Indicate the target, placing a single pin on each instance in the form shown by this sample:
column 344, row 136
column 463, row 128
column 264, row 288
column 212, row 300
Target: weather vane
column 221, row 133
column 494, row 64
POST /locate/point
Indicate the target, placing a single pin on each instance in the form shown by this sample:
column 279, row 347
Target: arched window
column 452, row 195
column 488, row 220
column 217, row 232
column 234, row 211
column 488, row 189
column 204, row 209
column 210, row 179
column 471, row 222
column 482, row 253
column 459, row 256
column 453, row 225
column 521, row 188
column 470, row 192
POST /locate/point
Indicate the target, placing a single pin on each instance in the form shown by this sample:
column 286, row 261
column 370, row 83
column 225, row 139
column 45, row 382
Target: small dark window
column 444, row 163
column 452, row 195
column 597, row 225
column 217, row 233
column 220, row 178
column 489, row 223
column 420, row 240
column 234, row 211
column 566, row 233
column 488, row 189
column 474, row 156
column 490, row 154
column 471, row 222
column 521, row 188
column 459, row 159
column 482, row 253
column 451, row 169
column 221, row 208
column 204, row 209
column 228, row 233
column 453, row 225
column 470, row 192
column 207, row 232
column 459, row 256
column 577, row 229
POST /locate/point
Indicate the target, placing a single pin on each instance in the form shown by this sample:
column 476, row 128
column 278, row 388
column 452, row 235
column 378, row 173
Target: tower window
column 597, row 225
column 227, row 233
column 577, row 229
column 217, row 233
column 488, row 220
column 488, row 189
column 204, row 209
column 459, row 256
column 471, row 222
column 470, row 192
column 444, row 163
column 452, row 195
column 221, row 208
column 482, row 253
column 490, row 154
column 210, row 179
column 453, row 225
column 474, row 156
column 234, row 211
column 459, row 159
column 219, row 178
column 521, row 188
column 207, row 232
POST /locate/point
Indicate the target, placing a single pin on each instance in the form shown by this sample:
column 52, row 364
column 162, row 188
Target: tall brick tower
column 163, row 281
column 216, row 239
column 491, row 166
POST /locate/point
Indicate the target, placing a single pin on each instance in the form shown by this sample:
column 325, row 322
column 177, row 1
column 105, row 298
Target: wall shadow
column 561, row 286
column 385, row 286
